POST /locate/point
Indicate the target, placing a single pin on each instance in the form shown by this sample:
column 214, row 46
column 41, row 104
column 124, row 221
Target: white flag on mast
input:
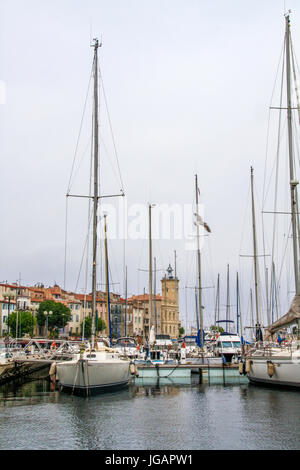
column 200, row 221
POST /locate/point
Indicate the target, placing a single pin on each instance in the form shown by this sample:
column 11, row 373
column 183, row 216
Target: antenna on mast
column 97, row 43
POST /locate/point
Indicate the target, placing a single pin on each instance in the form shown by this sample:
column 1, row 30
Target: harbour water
column 155, row 415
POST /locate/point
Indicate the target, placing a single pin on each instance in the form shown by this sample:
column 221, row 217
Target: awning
column 291, row 317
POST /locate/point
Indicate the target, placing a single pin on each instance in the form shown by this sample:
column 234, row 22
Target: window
column 77, row 319
column 226, row 344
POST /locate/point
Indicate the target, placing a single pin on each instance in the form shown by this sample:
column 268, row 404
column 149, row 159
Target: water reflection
column 32, row 391
column 159, row 385
column 199, row 415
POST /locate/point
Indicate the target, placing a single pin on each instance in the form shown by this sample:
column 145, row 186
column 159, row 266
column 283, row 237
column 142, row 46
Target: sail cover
column 291, row 317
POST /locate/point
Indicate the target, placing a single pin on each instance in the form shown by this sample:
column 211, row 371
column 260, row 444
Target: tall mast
column 150, row 269
column 108, row 318
column 228, row 302
column 217, row 306
column 254, row 250
column 196, row 304
column 240, row 310
column 267, row 296
column 155, row 312
column 238, row 314
column 125, row 320
column 274, row 298
column 199, row 265
column 251, row 310
column 293, row 183
column 95, row 197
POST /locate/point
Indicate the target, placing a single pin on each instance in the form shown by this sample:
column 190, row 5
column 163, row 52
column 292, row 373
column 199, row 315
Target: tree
column 25, row 320
column 181, row 331
column 100, row 326
column 217, row 328
column 60, row 316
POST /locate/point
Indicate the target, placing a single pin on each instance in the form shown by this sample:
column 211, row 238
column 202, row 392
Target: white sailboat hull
column 286, row 369
column 87, row 376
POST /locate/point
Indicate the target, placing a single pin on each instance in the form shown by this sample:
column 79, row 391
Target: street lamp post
column 47, row 316
column 31, row 323
column 9, row 296
column 17, row 318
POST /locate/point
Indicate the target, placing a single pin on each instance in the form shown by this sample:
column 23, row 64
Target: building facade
column 170, row 322
column 134, row 312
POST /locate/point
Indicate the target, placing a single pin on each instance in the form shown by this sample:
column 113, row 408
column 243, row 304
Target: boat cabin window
column 91, row 355
column 226, row 344
column 126, row 344
column 236, row 344
column 155, row 355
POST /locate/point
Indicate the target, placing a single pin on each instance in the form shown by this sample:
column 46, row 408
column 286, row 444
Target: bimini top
column 228, row 336
column 291, row 317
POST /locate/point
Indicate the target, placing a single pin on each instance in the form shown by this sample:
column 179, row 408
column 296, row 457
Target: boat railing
column 37, row 349
column 270, row 348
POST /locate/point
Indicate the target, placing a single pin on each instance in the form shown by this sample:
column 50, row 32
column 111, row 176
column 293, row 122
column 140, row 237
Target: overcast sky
column 188, row 85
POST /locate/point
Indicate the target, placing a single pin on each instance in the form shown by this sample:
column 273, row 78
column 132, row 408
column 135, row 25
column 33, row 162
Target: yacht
column 127, row 346
column 228, row 346
column 270, row 363
column 93, row 370
column 98, row 367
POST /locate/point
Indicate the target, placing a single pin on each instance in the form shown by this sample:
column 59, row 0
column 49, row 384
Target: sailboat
column 99, row 367
column 268, row 364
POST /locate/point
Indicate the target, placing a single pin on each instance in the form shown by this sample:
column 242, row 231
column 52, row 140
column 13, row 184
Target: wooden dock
column 17, row 368
column 211, row 373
